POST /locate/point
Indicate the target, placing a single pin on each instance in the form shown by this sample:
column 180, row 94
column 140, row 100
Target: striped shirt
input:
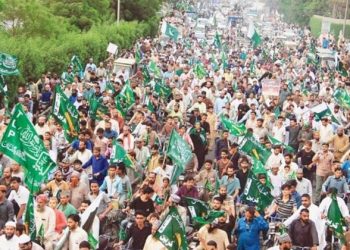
column 285, row 209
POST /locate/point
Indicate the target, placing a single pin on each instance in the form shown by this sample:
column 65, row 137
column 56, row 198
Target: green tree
column 137, row 9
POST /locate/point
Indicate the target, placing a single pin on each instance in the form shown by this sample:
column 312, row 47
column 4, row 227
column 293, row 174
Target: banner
column 271, row 87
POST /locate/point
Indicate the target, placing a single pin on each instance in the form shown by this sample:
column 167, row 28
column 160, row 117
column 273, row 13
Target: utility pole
column 345, row 16
column 118, row 12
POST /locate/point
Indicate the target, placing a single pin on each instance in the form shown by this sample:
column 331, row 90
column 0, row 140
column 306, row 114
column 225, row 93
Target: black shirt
column 242, row 177
column 147, row 207
column 138, row 236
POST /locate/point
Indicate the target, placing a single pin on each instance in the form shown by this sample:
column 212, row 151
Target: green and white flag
column 22, row 144
column 256, row 193
column 3, row 87
column 170, row 31
column 161, row 89
column 29, row 219
column 154, row 69
column 146, row 75
column 180, row 153
column 311, row 59
column 77, row 66
column 200, row 71
column 236, row 129
column 8, row 65
column 342, row 97
column 172, row 231
column 274, row 141
column 138, row 55
column 126, row 96
column 119, row 155
column 66, row 114
column 201, row 212
column 335, row 219
column 217, row 41
column 322, row 110
column 254, row 149
column 253, row 35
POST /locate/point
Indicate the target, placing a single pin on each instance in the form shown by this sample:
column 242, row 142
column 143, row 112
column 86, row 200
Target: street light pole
column 118, row 12
column 345, row 16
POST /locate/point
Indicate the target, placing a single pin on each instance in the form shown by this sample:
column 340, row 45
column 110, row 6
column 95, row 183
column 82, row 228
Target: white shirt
column 21, row 196
column 11, row 244
column 81, row 156
column 276, row 181
column 326, row 133
column 304, row 187
column 274, row 160
column 114, row 125
column 279, row 133
column 326, row 202
column 76, row 237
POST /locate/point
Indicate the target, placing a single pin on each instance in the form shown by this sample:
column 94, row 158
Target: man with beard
column 248, row 229
column 315, row 216
column 304, row 158
column 228, row 202
column 284, row 243
column 212, row 232
column 151, row 241
column 57, row 184
column 303, row 185
column 76, row 233
column 9, row 241
column 83, row 154
column 78, row 190
column 45, row 217
column 303, row 231
column 41, row 128
column 231, row 182
column 340, row 143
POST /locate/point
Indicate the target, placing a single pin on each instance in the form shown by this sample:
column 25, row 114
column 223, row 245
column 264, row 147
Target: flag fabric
column 126, row 96
column 342, row 70
column 77, row 66
column 3, row 87
column 163, row 90
column 119, row 155
column 22, row 144
column 234, row 128
column 41, row 235
column 92, row 240
column 146, row 75
column 138, row 55
column 179, row 150
column 335, row 219
column 217, row 41
column 200, row 71
column 342, row 97
column 224, row 60
column 256, row 39
column 274, row 141
column 170, row 31
column 200, row 211
column 29, row 219
column 66, row 114
column 172, row 231
column 254, row 149
column 62, row 240
column 259, row 168
column 322, row 110
column 154, row 69
column 119, row 106
column 311, row 59
column 8, row 65
column 256, row 193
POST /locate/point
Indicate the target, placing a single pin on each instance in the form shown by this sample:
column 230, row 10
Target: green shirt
column 67, row 209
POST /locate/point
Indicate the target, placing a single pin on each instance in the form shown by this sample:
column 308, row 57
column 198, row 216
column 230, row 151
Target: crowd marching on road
column 229, row 130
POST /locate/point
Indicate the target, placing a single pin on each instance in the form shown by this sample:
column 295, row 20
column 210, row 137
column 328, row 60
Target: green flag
column 146, row 75
column 217, row 41
column 179, row 151
column 171, row 32
column 224, row 60
column 41, row 235
column 322, row 110
column 253, row 148
column 162, row 89
column 256, row 39
column 274, row 141
column 21, row 143
column 138, row 55
column 3, row 87
column 335, row 219
column 256, row 193
column 311, row 59
column 65, row 114
column 342, row 97
column 77, row 66
column 29, row 219
column 234, row 128
column 200, row 71
column 342, row 70
column 154, row 69
column 127, row 96
column 8, row 65
column 172, row 231
column 119, row 155
column 201, row 212
column 93, row 242
column 119, row 106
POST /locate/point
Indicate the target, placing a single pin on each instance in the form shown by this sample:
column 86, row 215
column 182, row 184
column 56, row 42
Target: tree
column 137, row 9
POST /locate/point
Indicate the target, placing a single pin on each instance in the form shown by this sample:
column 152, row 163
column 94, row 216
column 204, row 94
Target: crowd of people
column 307, row 164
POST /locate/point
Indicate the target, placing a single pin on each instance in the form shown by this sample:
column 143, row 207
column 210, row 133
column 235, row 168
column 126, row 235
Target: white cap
column 10, row 224
column 23, row 239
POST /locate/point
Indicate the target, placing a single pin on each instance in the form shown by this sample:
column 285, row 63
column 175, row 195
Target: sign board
column 112, row 48
column 326, row 26
column 271, row 87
